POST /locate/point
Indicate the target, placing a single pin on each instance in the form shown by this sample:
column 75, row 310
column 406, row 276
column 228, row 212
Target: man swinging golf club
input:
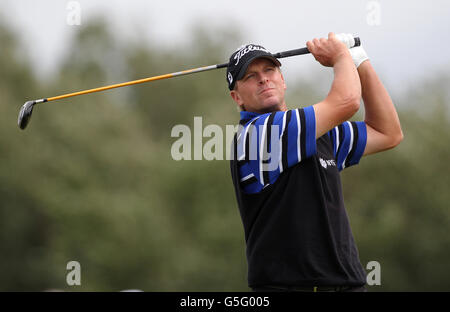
column 296, row 228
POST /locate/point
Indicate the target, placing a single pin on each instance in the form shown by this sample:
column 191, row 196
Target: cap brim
column 249, row 61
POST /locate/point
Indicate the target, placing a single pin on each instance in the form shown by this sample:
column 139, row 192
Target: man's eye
column 270, row 69
column 250, row 76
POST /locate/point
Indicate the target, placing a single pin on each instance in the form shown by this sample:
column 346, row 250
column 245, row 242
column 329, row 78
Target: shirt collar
column 248, row 115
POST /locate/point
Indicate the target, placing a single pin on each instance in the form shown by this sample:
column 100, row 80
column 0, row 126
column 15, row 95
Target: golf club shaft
column 305, row 50
column 129, row 83
column 171, row 75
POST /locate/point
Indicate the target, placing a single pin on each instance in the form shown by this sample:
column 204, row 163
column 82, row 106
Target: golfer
column 286, row 165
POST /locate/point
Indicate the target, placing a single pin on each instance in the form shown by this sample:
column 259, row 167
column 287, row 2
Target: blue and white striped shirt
column 268, row 144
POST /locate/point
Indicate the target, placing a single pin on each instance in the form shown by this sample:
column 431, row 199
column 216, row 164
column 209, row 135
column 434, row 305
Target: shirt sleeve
column 270, row 143
column 349, row 141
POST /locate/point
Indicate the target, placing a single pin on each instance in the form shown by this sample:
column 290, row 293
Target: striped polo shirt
column 295, row 134
column 289, row 193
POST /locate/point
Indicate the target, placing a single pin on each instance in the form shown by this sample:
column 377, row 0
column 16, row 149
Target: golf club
column 27, row 108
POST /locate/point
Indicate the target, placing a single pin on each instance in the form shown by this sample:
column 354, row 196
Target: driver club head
column 25, row 114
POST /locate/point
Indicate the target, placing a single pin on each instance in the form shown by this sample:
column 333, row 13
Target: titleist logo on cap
column 247, row 49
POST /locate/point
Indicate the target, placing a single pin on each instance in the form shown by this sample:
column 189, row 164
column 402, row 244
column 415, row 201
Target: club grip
column 305, row 50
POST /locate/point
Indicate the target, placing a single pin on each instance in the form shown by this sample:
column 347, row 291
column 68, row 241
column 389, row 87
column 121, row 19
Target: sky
column 406, row 41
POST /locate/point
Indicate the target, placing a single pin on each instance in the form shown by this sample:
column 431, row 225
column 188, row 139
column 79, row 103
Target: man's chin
column 271, row 105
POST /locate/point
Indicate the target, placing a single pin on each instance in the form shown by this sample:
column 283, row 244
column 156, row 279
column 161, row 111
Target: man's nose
column 263, row 78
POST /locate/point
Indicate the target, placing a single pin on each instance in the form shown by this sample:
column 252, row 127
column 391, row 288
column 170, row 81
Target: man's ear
column 237, row 98
column 282, row 78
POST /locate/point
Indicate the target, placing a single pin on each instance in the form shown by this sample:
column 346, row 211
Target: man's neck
column 281, row 108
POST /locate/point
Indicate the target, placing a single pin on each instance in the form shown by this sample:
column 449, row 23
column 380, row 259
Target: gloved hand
column 358, row 54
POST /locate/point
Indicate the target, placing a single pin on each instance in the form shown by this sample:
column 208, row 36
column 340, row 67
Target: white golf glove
column 358, row 54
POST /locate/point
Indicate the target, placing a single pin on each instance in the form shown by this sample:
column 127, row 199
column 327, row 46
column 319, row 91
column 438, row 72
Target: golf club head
column 25, row 114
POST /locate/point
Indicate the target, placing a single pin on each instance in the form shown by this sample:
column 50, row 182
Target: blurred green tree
column 92, row 178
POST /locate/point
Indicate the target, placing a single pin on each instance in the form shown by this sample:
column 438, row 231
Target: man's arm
column 342, row 102
column 383, row 125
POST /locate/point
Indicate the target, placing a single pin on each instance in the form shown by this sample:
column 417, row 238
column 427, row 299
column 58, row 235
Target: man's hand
column 342, row 102
column 328, row 51
column 358, row 54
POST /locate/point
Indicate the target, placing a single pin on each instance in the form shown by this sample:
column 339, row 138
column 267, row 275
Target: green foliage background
column 92, row 178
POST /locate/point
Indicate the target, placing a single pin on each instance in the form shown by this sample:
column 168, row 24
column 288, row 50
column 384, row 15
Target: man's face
column 262, row 88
